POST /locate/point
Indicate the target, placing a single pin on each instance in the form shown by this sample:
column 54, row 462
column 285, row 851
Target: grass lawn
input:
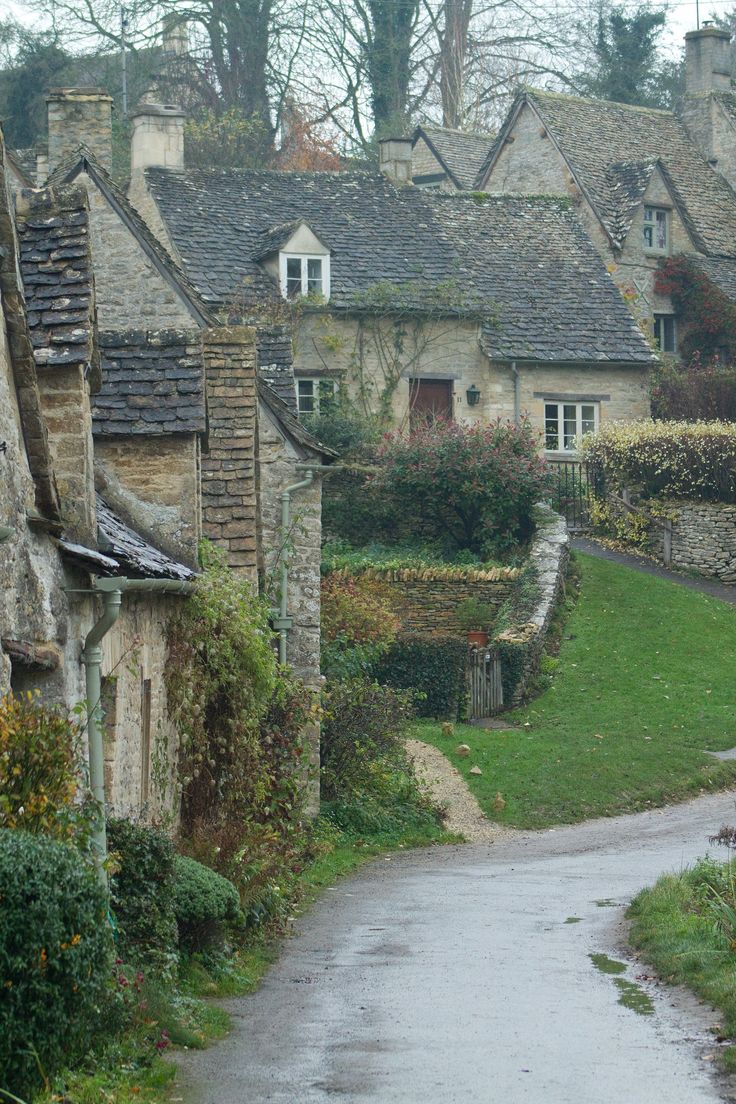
column 645, row 682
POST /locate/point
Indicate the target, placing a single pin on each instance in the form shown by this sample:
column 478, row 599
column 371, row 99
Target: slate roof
column 24, row 162
column 594, row 136
column 56, row 269
column 274, row 238
column 721, row 271
column 152, row 383
column 461, row 152
column 290, row 423
column 525, row 262
column 83, row 161
column 135, row 557
column 276, row 362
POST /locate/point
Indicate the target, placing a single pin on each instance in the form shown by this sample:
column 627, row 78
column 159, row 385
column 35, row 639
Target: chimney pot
column 158, row 137
column 394, row 159
column 79, row 116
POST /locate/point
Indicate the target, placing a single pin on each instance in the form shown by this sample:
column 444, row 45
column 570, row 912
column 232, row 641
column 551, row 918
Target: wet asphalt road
column 451, row 975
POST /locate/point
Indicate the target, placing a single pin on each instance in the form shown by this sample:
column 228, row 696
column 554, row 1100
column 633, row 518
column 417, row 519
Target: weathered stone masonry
column 228, row 461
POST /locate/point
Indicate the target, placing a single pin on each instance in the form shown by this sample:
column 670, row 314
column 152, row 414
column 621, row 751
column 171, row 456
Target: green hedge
column 206, row 904
column 142, row 893
column 55, row 958
column 434, row 667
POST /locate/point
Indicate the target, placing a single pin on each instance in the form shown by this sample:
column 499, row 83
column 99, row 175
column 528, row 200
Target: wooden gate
column 574, row 483
column 484, row 683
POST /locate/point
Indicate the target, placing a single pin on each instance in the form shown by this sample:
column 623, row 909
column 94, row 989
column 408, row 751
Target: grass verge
column 133, row 1066
column 679, row 928
column 642, row 686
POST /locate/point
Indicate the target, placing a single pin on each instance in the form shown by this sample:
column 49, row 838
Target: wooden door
column 429, row 399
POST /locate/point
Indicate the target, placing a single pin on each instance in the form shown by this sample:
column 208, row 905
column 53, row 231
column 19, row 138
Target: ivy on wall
column 707, row 317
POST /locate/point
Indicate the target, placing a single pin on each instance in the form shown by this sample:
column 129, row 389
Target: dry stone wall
column 703, row 537
column 427, row 598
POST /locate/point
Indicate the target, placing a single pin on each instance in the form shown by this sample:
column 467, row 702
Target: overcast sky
column 681, row 16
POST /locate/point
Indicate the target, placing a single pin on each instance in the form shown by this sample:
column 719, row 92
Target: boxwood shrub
column 434, row 667
column 207, row 905
column 142, row 894
column 55, row 958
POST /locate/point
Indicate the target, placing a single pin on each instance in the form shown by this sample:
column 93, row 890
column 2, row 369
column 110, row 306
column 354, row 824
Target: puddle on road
column 573, row 919
column 607, row 965
column 631, row 995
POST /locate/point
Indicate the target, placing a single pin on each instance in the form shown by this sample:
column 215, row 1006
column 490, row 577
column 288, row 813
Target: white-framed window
column 657, row 229
column 665, row 333
column 314, row 394
column 304, row 275
column 565, row 423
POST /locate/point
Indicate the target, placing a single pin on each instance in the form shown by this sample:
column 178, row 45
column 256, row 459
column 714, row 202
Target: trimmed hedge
column 206, row 904
column 695, row 460
column 433, row 667
column 142, row 893
column 55, row 958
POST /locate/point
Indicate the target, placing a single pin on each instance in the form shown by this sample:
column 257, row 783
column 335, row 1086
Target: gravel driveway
column 463, row 974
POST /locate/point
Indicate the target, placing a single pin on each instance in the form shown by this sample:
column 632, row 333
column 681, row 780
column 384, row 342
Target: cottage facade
column 647, row 184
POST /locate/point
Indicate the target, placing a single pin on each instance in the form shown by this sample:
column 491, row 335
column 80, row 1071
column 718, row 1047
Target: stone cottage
column 61, row 547
column 647, row 184
column 413, row 300
column 442, row 157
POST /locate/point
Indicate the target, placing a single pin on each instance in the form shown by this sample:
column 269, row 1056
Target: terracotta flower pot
column 478, row 639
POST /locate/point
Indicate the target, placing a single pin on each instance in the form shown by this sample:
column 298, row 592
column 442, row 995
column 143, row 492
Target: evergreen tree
column 628, row 65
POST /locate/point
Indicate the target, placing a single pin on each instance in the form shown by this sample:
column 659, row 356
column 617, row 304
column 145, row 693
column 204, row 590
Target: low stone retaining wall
column 703, row 538
column 521, row 642
column 427, row 598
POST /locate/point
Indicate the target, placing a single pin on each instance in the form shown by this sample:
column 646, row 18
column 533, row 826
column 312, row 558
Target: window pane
column 587, row 418
column 658, row 330
column 551, row 428
column 326, row 394
column 569, row 425
column 665, row 333
column 314, row 275
column 661, row 236
column 293, row 276
column 305, row 396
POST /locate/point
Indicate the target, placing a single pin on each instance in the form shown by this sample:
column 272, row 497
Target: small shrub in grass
column 55, row 958
column 207, row 905
column 384, row 799
column 361, row 721
column 433, row 668
column 142, row 894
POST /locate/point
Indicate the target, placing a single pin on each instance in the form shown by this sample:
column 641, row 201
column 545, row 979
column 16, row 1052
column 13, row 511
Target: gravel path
column 448, row 788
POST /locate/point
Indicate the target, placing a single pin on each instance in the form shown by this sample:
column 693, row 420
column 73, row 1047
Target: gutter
column 111, row 591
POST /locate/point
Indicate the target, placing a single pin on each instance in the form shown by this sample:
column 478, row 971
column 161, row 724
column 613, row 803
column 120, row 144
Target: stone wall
column 65, row 402
column 450, row 350
column 426, row 599
column 141, row 744
column 527, row 631
column 228, row 461
column 130, row 290
column 277, row 458
column 703, row 537
column 153, row 484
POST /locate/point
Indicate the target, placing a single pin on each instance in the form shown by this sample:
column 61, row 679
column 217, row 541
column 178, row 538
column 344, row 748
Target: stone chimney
column 707, row 60
column 158, row 137
column 174, row 36
column 79, row 116
column 708, row 63
column 394, row 159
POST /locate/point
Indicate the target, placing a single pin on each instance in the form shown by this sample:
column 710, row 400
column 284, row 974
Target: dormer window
column 656, row 229
column 304, row 275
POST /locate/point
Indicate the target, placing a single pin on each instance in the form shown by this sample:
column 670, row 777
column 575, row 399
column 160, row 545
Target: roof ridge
column 638, row 108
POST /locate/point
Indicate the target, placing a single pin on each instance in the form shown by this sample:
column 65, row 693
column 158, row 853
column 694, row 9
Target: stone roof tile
column 523, row 264
column 461, row 152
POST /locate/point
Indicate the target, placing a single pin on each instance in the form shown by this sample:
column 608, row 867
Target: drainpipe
column 111, row 591
column 517, row 392
column 280, row 618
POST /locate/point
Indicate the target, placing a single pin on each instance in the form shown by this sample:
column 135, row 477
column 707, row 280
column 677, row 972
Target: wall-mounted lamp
column 472, row 395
